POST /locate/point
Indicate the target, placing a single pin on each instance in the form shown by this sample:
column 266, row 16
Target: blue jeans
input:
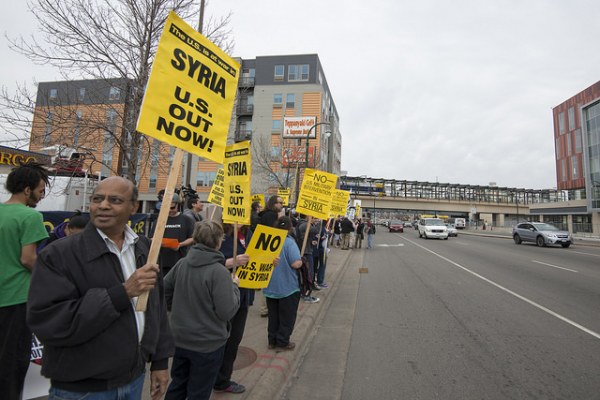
column 370, row 240
column 194, row 374
column 131, row 391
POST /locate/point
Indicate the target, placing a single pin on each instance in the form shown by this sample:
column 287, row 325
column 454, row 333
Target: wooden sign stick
column 308, row 221
column 235, row 240
column 159, row 230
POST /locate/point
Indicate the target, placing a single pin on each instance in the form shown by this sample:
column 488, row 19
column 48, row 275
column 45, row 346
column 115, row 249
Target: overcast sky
column 434, row 90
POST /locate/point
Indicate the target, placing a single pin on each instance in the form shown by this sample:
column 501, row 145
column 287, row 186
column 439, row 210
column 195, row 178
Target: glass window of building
column 557, row 149
column 304, row 72
column 564, row 169
column 561, row 123
column 200, row 178
column 52, row 94
column 275, row 151
column 292, row 75
column 290, row 100
column 571, row 118
column 574, row 168
column 276, row 124
column 81, row 93
column 277, row 98
column 152, row 183
column 298, row 72
column 568, row 144
column 115, row 93
column 279, row 70
column 211, row 178
column 578, row 144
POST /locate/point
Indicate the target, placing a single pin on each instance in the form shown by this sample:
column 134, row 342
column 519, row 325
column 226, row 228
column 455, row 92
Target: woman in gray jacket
column 202, row 296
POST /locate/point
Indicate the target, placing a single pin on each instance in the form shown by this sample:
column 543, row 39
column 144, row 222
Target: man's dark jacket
column 79, row 310
column 346, row 225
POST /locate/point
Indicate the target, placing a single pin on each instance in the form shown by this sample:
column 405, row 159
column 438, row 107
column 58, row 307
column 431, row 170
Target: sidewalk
column 264, row 372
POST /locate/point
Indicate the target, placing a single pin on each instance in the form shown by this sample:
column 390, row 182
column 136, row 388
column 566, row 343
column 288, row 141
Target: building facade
column 272, row 88
column 577, row 152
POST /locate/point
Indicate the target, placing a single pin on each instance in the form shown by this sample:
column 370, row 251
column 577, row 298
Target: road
column 466, row 318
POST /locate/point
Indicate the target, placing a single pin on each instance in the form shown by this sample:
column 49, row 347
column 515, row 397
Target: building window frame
column 279, row 72
column 290, row 100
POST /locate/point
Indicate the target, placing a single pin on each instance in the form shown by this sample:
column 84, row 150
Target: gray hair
column 209, row 233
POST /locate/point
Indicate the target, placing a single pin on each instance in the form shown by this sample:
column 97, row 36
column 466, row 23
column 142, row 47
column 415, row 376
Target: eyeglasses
column 114, row 200
column 279, row 202
column 173, row 207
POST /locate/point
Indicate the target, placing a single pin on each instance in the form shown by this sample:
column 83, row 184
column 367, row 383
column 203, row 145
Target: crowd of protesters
column 78, row 289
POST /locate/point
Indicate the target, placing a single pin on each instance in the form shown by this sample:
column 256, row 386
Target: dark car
column 541, row 233
column 396, row 226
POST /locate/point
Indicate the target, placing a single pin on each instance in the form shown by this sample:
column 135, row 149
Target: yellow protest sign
column 190, row 92
column 260, row 198
column 316, row 193
column 236, row 204
column 284, row 193
column 217, row 192
column 339, row 203
column 264, row 247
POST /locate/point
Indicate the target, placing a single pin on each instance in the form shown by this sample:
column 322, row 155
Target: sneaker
column 324, row 286
column 310, row 299
column 317, row 287
column 233, row 388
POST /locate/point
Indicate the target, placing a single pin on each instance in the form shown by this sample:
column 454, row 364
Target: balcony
column 246, row 81
column 242, row 135
column 245, row 109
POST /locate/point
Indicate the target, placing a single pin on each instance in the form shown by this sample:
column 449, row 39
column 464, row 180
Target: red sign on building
column 296, row 155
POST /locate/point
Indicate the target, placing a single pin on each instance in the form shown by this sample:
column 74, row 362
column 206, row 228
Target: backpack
column 305, row 278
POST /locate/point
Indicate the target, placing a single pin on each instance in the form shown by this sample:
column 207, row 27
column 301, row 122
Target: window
column 200, row 179
column 276, row 124
column 568, row 144
column 76, row 131
column 275, row 151
column 273, row 178
column 571, row 118
column 557, row 149
column 574, row 169
column 115, row 93
column 578, row 144
column 152, row 184
column 81, row 93
column 290, row 100
column 108, row 149
column 52, row 94
column 564, row 169
column 561, row 123
column 277, row 98
column 298, row 73
column 279, row 72
column 211, row 178
column 111, row 120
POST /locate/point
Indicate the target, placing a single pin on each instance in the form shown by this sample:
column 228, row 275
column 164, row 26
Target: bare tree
column 102, row 40
column 283, row 170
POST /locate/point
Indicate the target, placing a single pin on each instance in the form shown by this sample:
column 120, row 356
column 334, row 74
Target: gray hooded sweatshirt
column 202, row 299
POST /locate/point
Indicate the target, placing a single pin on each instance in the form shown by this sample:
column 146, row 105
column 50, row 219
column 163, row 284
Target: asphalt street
column 466, row 318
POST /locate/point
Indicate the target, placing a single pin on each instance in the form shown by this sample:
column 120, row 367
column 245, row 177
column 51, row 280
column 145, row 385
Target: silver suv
column 433, row 227
column 541, row 233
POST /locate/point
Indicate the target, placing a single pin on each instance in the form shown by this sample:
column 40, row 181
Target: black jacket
column 268, row 218
column 347, row 226
column 79, row 310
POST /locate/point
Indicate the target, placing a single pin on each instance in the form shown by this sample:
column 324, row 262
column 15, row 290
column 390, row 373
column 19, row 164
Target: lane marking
column 518, row 296
column 554, row 266
column 390, row 245
column 581, row 252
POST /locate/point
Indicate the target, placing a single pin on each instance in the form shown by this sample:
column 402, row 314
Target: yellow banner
column 237, row 204
column 316, row 193
column 284, row 193
column 339, row 203
column 260, row 198
column 218, row 189
column 190, row 93
column 264, row 247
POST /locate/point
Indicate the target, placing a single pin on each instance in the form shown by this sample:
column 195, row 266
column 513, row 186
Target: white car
column 452, row 231
column 433, row 228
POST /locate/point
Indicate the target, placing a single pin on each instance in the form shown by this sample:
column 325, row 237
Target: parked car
column 541, row 233
column 407, row 224
column 452, row 231
column 433, row 227
column 396, row 226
